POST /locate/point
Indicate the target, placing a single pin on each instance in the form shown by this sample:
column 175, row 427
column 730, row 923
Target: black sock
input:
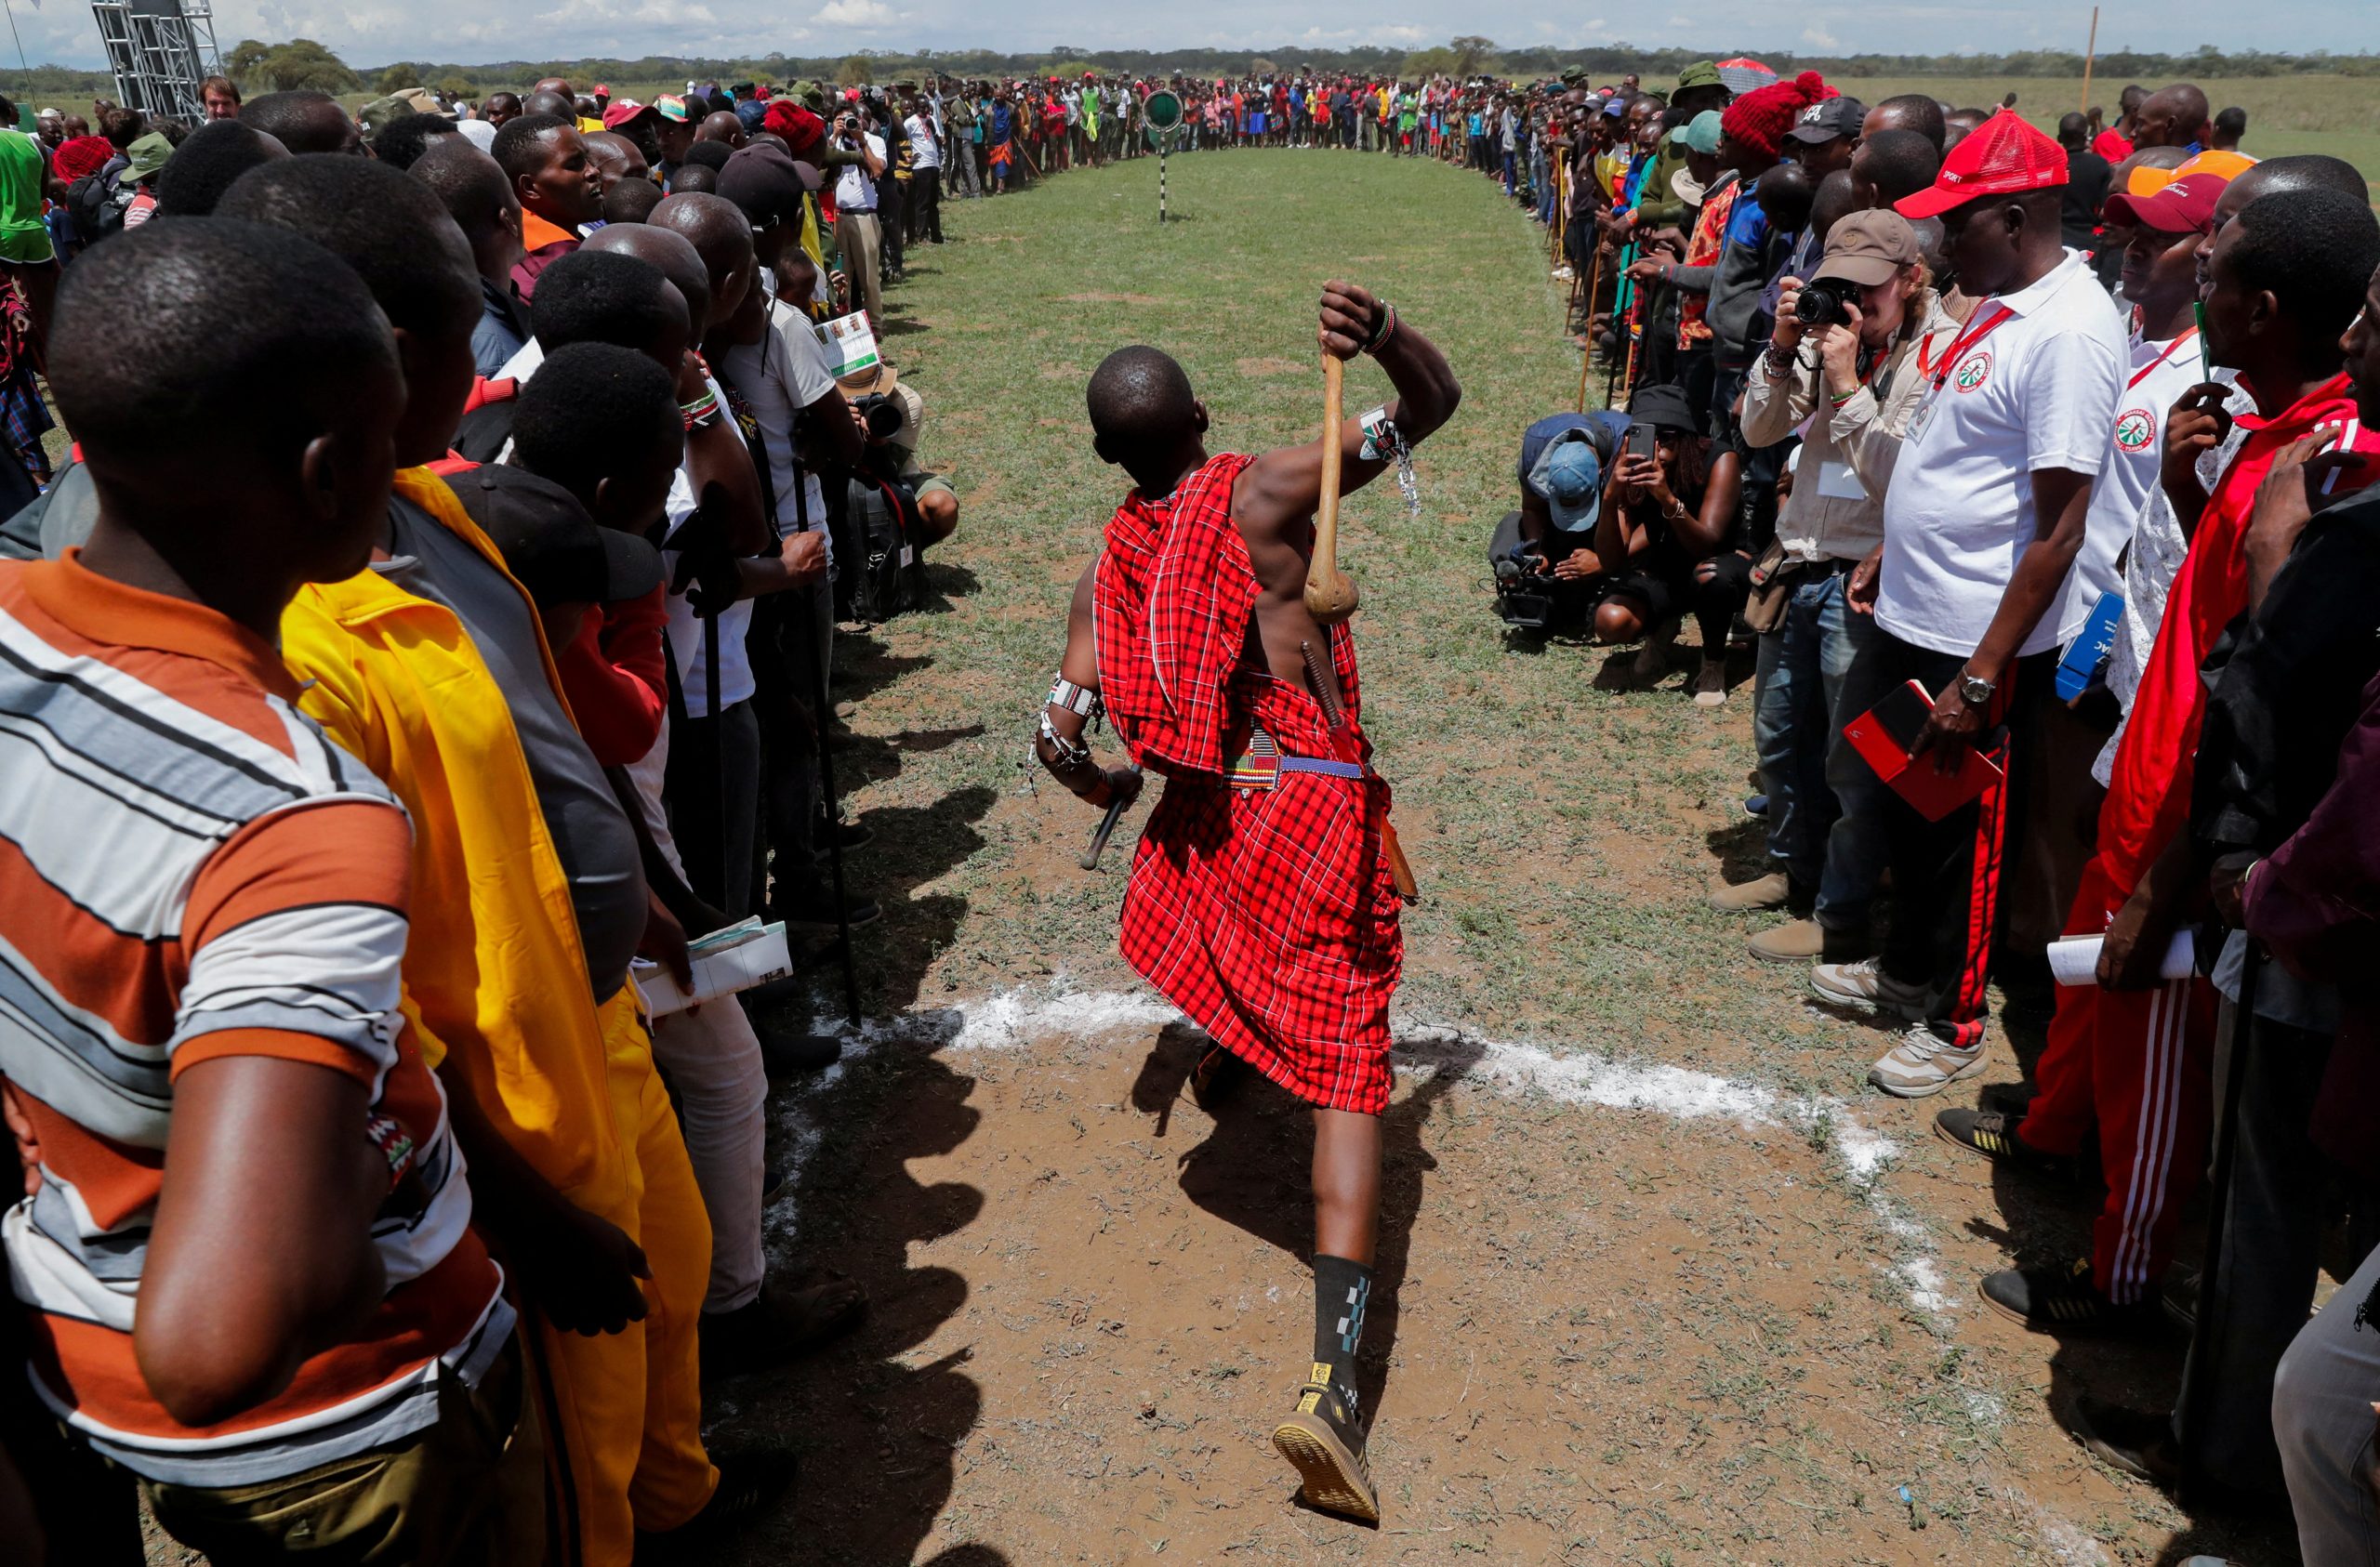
column 1341, row 1290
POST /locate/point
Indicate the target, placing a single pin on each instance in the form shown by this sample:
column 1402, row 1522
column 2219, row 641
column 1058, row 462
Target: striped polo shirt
column 190, row 869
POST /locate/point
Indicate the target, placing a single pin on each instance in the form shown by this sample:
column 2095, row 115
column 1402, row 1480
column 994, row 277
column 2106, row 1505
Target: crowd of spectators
column 2042, row 466
column 425, row 645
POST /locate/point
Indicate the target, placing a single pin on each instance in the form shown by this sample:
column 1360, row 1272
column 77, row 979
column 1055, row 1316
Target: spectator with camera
column 857, row 236
column 1548, row 576
column 1668, row 535
column 1842, row 366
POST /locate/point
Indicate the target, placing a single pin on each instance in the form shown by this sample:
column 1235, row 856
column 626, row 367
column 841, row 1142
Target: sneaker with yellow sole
column 1321, row 1442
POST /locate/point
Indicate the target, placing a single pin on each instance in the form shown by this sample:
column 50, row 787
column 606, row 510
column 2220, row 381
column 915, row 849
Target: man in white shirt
column 924, row 214
column 856, row 235
column 1983, row 521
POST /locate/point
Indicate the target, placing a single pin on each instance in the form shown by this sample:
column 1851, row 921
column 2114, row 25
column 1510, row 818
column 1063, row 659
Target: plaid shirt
column 1266, row 914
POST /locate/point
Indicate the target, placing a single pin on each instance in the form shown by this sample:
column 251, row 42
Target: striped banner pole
column 1160, row 182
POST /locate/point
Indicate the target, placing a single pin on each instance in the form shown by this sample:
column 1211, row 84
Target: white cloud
column 1820, row 38
column 854, row 13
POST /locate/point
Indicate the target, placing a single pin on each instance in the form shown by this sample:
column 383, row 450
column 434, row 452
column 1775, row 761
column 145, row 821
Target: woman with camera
column 1845, row 365
column 1669, row 533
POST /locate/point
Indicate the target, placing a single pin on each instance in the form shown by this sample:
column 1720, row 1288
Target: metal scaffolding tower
column 160, row 51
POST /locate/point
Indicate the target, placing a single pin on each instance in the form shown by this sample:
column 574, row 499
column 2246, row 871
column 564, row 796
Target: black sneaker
column 784, row 1055
column 2060, row 1299
column 852, row 835
column 2136, row 1441
column 779, row 1325
column 2010, row 1100
column 2178, row 1295
column 748, row 1482
column 1993, row 1135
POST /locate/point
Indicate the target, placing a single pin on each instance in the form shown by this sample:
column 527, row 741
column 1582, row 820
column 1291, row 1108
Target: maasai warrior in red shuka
column 1261, row 900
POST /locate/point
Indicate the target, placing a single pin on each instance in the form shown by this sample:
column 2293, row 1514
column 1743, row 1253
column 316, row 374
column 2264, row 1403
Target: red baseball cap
column 602, row 91
column 625, row 110
column 2001, row 157
column 2183, row 207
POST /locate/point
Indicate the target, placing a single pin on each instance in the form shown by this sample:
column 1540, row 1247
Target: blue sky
column 376, row 30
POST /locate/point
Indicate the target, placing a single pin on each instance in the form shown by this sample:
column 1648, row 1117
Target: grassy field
column 1664, row 1282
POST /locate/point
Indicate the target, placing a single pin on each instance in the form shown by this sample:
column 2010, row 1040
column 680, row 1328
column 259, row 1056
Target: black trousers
column 892, row 217
column 925, row 205
column 1946, row 874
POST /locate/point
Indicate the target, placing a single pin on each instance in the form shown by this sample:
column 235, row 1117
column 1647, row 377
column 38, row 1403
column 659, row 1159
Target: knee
column 939, row 509
column 1617, row 622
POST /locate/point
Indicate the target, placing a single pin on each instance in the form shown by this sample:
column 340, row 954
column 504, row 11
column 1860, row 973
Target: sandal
column 1333, row 1472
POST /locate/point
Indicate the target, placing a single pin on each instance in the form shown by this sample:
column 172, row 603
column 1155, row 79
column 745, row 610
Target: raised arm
column 1285, row 484
column 1074, row 700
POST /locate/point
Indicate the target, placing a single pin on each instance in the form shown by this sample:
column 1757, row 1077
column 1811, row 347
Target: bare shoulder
column 1078, row 612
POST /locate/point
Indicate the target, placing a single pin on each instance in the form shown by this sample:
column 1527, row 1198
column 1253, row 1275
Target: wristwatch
column 1975, row 690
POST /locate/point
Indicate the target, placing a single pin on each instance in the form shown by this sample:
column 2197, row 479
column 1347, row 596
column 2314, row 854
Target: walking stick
column 1587, row 353
column 821, row 716
column 1330, row 596
column 1623, row 305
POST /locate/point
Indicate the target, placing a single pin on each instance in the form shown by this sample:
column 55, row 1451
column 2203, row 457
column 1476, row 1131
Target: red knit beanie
column 1760, row 117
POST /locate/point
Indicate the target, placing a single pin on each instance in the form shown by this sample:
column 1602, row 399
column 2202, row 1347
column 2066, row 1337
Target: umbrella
column 1743, row 74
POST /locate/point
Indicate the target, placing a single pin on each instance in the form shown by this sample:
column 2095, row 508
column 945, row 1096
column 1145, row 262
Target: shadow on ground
column 1250, row 1172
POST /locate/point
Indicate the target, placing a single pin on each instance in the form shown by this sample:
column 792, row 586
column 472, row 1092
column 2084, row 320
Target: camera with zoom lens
column 881, row 414
column 1821, row 304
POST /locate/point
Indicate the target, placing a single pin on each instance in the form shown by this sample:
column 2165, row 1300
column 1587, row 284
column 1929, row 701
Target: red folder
column 1884, row 735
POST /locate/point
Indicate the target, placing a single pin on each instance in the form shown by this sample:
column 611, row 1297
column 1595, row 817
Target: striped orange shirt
column 190, row 869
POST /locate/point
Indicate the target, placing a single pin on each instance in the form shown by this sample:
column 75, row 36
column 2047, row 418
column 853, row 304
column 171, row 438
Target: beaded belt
column 1262, row 765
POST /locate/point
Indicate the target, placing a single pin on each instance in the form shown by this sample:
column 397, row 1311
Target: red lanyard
column 1974, row 334
column 2161, row 359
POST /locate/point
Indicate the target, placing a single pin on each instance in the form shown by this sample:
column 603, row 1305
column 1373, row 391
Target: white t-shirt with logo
column 925, row 146
column 2036, row 390
column 2156, row 375
column 855, row 191
column 778, row 376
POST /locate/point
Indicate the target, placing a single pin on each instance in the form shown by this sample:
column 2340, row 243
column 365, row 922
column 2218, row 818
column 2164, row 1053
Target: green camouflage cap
column 1702, row 73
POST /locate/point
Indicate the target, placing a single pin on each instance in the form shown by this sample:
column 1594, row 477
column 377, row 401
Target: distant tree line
column 302, row 63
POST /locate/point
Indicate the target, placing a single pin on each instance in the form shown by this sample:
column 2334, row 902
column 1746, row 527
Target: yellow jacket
column 494, row 976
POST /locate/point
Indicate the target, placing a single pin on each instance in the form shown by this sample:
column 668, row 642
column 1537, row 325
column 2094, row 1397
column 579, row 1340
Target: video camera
column 1528, row 598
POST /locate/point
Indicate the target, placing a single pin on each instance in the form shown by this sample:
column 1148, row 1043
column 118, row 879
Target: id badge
column 1837, row 481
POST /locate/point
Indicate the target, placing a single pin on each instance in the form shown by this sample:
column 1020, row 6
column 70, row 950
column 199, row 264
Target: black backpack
column 98, row 202
column 883, row 572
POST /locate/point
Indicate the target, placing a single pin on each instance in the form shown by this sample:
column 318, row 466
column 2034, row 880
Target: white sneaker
column 1865, row 987
column 1922, row 1065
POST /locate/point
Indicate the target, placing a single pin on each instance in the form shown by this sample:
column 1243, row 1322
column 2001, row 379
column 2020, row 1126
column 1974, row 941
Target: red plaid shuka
column 1266, row 914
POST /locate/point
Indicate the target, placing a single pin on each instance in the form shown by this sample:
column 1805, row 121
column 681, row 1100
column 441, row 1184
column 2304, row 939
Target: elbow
column 202, row 1375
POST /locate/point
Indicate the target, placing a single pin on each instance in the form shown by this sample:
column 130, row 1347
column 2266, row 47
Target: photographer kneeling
column 1844, row 364
column 888, row 509
column 1669, row 537
column 1547, row 575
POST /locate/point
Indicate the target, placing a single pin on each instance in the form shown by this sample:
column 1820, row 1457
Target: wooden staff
column 2089, row 51
column 1330, row 596
column 1587, row 353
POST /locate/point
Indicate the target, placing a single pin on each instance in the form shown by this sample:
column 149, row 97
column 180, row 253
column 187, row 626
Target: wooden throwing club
column 1330, row 596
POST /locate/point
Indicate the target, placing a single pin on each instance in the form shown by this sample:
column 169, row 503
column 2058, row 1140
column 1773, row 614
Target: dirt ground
column 1660, row 1280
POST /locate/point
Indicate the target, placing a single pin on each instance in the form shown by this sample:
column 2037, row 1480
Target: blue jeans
column 1817, row 671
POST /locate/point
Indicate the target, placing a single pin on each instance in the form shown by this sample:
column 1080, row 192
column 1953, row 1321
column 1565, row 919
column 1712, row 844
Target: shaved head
column 721, row 235
column 2173, row 116
column 663, row 248
column 1140, row 400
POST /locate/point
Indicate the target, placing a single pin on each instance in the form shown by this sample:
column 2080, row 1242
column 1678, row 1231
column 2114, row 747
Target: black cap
column 551, row 545
column 763, row 180
column 1665, row 407
column 1828, row 121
